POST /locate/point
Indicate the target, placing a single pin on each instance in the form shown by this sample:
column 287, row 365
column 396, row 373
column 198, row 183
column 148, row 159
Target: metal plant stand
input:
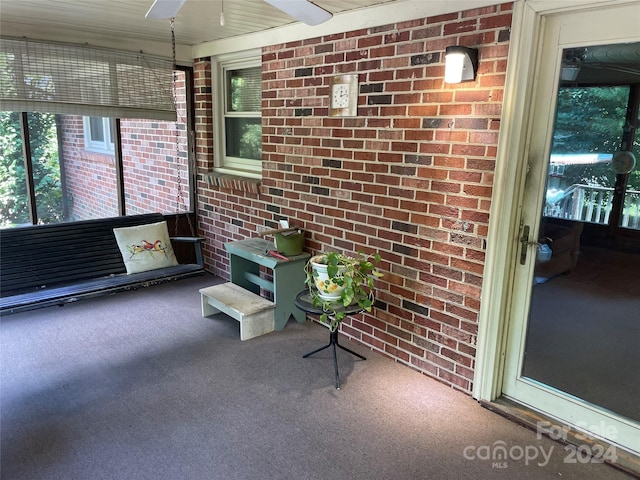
column 305, row 303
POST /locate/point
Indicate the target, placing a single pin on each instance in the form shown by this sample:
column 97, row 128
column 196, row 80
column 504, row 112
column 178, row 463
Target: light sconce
column 461, row 64
column 569, row 73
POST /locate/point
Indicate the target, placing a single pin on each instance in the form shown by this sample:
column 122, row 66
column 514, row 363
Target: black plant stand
column 305, row 303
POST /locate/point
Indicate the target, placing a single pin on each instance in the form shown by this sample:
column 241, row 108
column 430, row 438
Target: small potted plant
column 336, row 281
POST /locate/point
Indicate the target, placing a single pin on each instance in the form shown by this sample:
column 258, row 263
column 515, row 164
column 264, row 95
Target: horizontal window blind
column 78, row 80
column 244, row 87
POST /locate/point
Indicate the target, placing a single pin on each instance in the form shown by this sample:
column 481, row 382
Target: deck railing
column 591, row 204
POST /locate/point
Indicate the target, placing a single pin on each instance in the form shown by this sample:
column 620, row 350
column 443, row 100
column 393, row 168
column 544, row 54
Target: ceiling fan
column 302, row 10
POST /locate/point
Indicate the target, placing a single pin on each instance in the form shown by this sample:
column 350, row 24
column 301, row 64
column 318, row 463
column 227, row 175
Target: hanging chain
column 180, row 196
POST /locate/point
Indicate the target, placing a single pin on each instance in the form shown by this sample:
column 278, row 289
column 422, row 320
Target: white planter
column 329, row 289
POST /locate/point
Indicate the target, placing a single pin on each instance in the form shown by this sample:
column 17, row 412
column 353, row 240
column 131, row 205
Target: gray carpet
column 584, row 329
column 139, row 386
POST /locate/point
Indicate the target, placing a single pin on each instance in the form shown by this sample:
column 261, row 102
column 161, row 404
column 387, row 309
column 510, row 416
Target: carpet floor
column 584, row 329
column 140, row 386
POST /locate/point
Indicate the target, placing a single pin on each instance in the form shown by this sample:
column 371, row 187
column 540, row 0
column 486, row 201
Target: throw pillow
column 145, row 247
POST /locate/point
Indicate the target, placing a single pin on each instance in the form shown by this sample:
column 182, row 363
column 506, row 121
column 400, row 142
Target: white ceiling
column 119, row 21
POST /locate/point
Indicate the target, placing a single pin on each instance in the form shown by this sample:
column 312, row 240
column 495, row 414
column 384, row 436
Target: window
column 589, row 127
column 239, row 116
column 43, row 184
column 62, row 180
column 97, row 134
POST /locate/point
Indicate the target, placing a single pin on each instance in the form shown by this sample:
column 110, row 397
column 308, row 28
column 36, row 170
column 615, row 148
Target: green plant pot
column 289, row 243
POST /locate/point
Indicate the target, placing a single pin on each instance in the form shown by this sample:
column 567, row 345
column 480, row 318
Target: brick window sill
column 227, row 181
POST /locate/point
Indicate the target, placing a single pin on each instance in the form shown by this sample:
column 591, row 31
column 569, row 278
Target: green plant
column 355, row 274
column 45, row 169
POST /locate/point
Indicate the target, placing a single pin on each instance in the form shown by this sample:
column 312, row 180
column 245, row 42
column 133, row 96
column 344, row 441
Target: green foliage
column 251, row 141
column 357, row 274
column 591, row 120
column 7, row 84
column 14, row 207
column 14, row 203
column 46, row 167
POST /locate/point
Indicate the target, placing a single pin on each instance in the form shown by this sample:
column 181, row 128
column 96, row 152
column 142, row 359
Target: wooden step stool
column 255, row 313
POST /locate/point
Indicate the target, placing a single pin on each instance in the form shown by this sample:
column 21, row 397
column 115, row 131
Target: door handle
column 525, row 244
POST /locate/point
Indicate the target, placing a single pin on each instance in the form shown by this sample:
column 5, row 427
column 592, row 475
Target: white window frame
column 105, row 146
column 220, row 65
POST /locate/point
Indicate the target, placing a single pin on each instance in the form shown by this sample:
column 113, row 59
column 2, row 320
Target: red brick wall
column 150, row 167
column 150, row 164
column 90, row 177
column 410, row 177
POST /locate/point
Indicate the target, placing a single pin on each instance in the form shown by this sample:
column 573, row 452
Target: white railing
column 586, row 203
column 631, row 212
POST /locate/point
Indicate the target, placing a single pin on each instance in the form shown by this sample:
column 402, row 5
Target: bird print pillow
column 145, row 247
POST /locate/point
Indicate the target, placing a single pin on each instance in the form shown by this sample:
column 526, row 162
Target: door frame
column 503, row 236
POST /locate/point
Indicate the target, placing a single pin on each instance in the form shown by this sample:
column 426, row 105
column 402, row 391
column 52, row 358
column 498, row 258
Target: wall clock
column 343, row 96
column 340, row 95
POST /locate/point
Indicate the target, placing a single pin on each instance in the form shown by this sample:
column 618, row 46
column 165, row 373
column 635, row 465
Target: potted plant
column 336, row 281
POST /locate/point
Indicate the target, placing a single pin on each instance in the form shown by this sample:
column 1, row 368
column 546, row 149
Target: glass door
column 573, row 349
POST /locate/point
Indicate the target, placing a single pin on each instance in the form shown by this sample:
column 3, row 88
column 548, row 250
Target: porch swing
column 55, row 264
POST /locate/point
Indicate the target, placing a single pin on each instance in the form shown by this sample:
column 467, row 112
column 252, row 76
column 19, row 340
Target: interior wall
column 410, row 177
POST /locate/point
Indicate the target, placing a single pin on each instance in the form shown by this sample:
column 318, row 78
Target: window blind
column 244, row 87
column 78, row 80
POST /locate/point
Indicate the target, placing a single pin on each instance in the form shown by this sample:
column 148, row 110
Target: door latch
column 524, row 241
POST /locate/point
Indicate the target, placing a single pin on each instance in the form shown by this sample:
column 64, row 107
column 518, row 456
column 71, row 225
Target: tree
column 591, row 120
column 14, row 206
column 14, row 199
column 43, row 133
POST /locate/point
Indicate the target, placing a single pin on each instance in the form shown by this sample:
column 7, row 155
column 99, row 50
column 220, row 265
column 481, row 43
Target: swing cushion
column 145, row 247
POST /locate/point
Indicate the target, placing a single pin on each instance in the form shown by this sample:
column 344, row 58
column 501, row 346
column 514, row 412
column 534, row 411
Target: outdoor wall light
column 461, row 64
column 569, row 73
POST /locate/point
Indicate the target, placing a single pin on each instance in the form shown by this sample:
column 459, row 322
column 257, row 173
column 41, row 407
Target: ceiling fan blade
column 303, row 10
column 165, row 9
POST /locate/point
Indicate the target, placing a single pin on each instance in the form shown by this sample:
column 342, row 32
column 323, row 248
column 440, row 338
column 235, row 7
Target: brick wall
column 89, row 177
column 152, row 161
column 411, row 176
column 150, row 167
